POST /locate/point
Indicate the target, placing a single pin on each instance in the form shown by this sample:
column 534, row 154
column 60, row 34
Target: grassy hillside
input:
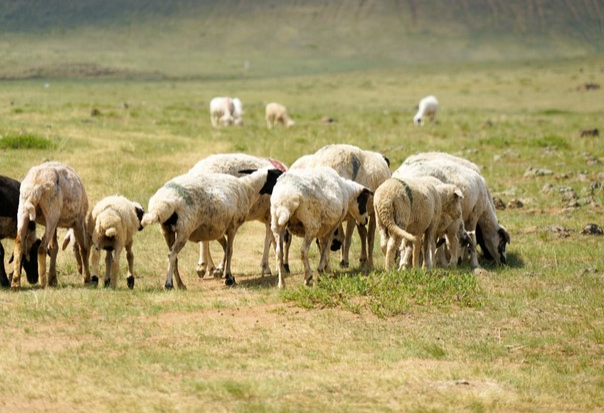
column 194, row 38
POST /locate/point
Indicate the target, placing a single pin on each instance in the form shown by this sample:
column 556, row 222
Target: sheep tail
column 69, row 235
column 111, row 232
column 283, row 216
column 386, row 216
column 158, row 213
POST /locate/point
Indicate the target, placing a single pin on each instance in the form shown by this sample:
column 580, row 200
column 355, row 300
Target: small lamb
column 221, row 111
column 428, row 107
column 277, row 113
column 311, row 203
column 112, row 225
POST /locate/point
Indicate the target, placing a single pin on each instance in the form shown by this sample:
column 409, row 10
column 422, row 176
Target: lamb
column 237, row 112
column 367, row 168
column 311, row 203
column 112, row 224
column 221, row 111
column 277, row 113
column 205, row 207
column 428, row 107
column 479, row 215
column 9, row 203
column 232, row 164
column 53, row 195
column 414, row 208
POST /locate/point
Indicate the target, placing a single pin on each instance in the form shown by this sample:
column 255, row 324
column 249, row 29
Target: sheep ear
column 504, row 234
column 362, row 200
column 458, row 193
column 387, row 160
column 271, row 180
column 247, row 171
column 140, row 212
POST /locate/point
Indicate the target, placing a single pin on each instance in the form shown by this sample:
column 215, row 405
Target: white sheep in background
column 232, row 164
column 478, row 211
column 221, row 111
column 415, row 209
column 428, row 107
column 237, row 112
column 311, row 203
column 276, row 113
column 112, row 224
column 53, row 195
column 205, row 207
column 367, row 168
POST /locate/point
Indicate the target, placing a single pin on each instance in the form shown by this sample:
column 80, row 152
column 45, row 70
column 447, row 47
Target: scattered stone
column 592, row 229
column 586, row 271
column 499, row 204
column 530, row 172
column 95, row 112
column 560, row 231
column 592, row 160
column 327, row 119
column 515, row 204
column 480, row 272
column 590, row 132
column 547, row 189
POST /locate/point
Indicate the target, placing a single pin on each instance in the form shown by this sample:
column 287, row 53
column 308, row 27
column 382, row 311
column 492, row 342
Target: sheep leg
column 53, row 251
column 324, row 254
column 4, row 282
column 96, row 256
column 130, row 259
column 363, row 235
column 287, row 236
column 205, row 265
column 268, row 240
column 406, row 252
column 78, row 257
column 279, row 235
column 220, row 269
column 178, row 245
column 115, row 267
column 417, row 249
column 350, row 224
column 304, row 252
column 228, row 275
column 108, row 267
column 49, row 233
column 370, row 241
column 81, row 238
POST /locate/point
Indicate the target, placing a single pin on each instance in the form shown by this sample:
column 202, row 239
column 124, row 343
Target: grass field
column 526, row 337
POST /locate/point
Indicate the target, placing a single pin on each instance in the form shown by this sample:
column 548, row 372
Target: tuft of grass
column 551, row 141
column 26, row 141
column 391, row 293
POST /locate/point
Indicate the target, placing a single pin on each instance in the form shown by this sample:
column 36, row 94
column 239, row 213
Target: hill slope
column 216, row 37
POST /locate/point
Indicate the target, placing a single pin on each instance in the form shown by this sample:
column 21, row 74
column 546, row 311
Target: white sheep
column 367, row 168
column 479, row 215
column 112, row 224
column 232, row 164
column 221, row 111
column 428, row 107
column 276, row 113
column 237, row 112
column 53, row 195
column 311, row 203
column 205, row 207
column 415, row 209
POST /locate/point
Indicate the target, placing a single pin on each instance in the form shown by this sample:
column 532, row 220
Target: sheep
column 277, row 113
column 414, row 208
column 232, row 164
column 53, row 195
column 221, row 111
column 205, row 207
column 237, row 112
column 9, row 203
column 428, row 107
column 369, row 169
column 111, row 225
column 479, row 215
column 311, row 203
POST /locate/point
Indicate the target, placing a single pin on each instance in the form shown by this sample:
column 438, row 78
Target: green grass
column 525, row 337
column 25, row 141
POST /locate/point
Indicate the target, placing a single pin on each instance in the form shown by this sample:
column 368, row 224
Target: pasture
column 526, row 337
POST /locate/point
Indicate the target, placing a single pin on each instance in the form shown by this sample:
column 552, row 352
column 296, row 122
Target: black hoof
column 130, row 281
column 286, row 268
column 94, row 281
column 344, row 264
column 107, row 282
column 169, row 285
column 230, row 281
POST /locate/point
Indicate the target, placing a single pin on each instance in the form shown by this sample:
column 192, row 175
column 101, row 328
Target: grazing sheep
column 205, row 207
column 367, row 168
column 277, row 113
column 112, row 224
column 237, row 112
column 221, row 111
column 417, row 210
column 9, row 204
column 311, row 203
column 53, row 195
column 590, row 132
column 232, row 164
column 428, row 107
column 479, row 215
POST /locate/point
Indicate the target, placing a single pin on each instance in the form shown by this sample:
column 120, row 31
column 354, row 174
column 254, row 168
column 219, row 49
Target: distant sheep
column 112, row 225
column 276, row 113
column 367, row 168
column 311, row 203
column 590, row 132
column 221, row 111
column 9, row 204
column 428, row 107
column 232, row 164
column 237, row 112
column 205, row 207
column 51, row 194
